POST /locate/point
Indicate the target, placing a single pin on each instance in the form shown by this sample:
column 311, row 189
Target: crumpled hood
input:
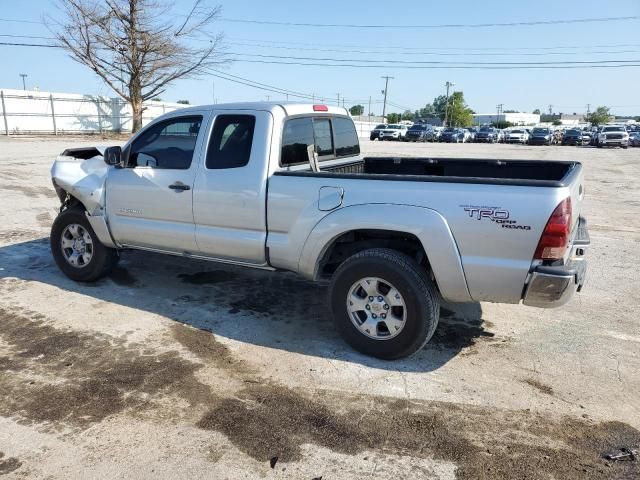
column 81, row 172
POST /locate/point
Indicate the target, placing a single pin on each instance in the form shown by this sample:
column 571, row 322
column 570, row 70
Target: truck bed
column 450, row 170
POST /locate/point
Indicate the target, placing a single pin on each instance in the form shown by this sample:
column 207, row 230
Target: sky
column 400, row 40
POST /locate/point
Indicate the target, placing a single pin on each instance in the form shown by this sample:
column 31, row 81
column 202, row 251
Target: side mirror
column 112, row 155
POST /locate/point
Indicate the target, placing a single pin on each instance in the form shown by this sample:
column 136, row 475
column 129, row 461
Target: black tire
column 421, row 299
column 103, row 259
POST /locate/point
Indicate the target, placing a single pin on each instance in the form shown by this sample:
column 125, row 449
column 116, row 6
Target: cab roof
column 290, row 108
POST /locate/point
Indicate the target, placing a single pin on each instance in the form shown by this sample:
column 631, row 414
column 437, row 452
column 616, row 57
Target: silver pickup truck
column 284, row 187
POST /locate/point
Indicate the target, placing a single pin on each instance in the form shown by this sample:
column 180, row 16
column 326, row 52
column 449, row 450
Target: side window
column 323, row 137
column 297, row 136
column 167, row 145
column 346, row 137
column 230, row 143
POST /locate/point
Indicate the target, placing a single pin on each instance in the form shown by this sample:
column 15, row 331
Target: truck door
column 229, row 197
column 150, row 201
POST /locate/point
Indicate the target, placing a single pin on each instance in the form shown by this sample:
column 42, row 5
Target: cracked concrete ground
column 174, row 368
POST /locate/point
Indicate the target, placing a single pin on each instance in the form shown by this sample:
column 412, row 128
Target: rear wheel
column 77, row 250
column 384, row 304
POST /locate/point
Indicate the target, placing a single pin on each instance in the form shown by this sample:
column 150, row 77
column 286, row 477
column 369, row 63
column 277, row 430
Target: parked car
column 613, row 135
column 394, row 131
column 573, row 136
column 634, row 138
column 487, row 134
column 517, row 135
column 586, row 137
column 433, row 135
column 472, row 133
column 417, row 133
column 193, row 183
column 375, row 133
column 541, row 136
column 454, row 135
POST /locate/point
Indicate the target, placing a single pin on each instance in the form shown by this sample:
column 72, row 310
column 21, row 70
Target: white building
column 517, row 118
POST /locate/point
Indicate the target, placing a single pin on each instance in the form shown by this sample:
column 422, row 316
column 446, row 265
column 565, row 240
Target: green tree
column 599, row 116
column 536, row 111
column 408, row 115
column 458, row 113
column 183, row 102
column 557, row 123
column 394, row 117
column 426, row 112
column 502, row 124
column 356, row 110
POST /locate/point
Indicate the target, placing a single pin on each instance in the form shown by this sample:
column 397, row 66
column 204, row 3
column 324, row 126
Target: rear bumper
column 553, row 286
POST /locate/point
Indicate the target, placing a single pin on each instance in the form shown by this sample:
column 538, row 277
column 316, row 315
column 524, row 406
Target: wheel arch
column 417, row 229
column 96, row 218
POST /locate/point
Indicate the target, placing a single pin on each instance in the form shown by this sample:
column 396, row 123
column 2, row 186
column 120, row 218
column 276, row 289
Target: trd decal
column 496, row 215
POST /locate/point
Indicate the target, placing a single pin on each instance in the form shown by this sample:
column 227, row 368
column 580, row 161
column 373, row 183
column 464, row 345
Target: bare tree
column 138, row 47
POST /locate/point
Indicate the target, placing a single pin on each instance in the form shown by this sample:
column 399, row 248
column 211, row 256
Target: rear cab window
column 230, row 142
column 332, row 136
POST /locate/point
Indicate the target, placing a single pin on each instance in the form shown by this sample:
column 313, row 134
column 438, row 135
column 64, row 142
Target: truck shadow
column 275, row 310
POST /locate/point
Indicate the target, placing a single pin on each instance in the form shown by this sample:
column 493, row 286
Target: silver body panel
column 251, row 217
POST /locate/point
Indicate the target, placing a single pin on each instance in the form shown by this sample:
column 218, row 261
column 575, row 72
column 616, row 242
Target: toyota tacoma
column 284, row 187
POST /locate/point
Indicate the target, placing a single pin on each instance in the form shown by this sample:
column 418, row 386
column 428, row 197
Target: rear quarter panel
column 494, row 260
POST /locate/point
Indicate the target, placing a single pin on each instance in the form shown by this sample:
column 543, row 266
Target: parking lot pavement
column 174, row 368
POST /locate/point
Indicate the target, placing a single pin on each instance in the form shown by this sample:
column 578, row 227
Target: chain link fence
column 32, row 112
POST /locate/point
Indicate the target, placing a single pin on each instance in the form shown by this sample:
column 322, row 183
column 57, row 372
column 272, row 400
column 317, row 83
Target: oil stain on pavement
column 63, row 378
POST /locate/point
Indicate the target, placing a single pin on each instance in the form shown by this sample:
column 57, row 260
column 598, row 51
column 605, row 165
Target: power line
column 412, row 64
column 459, row 67
column 432, row 62
column 430, row 26
column 439, row 48
column 436, row 53
column 434, row 26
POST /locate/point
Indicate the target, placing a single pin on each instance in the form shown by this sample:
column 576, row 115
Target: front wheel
column 77, row 250
column 383, row 303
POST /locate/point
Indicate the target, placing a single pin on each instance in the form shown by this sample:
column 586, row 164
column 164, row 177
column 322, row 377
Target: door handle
column 179, row 187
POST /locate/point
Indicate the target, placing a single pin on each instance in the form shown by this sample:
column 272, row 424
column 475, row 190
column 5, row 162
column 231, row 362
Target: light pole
column 24, row 84
column 386, row 87
column 446, row 105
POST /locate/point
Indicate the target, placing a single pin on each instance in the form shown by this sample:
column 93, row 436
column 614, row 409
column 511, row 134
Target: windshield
column 486, row 129
column 418, row 127
column 380, row 126
column 573, row 132
column 517, row 131
column 449, row 130
column 393, row 127
column 541, row 130
column 614, row 129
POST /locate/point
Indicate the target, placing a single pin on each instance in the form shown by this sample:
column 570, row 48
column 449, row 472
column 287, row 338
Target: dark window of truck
column 323, row 137
column 346, row 137
column 167, row 145
column 230, row 143
column 297, row 136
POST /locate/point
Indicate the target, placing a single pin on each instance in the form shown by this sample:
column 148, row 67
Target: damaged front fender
column 81, row 173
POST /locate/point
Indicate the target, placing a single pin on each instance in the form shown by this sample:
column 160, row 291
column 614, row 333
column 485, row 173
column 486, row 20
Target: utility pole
column 386, row 87
column 550, row 109
column 446, row 105
column 499, row 111
column 369, row 107
column 213, row 90
column 24, row 84
column 588, row 111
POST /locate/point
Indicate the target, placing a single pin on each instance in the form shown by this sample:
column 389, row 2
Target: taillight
column 555, row 237
column 320, row 108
